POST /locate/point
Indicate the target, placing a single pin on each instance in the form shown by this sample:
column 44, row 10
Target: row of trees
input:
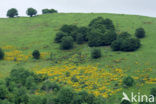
column 100, row 32
column 30, row 12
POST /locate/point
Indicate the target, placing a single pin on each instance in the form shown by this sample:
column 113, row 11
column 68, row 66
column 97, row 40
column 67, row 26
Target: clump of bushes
column 67, row 43
column 125, row 42
column 47, row 11
column 36, row 54
column 96, row 53
column 128, row 81
column 1, row 54
column 59, row 36
column 140, row 33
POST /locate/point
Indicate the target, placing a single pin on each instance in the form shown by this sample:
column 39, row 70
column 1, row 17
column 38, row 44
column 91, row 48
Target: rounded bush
column 67, row 43
column 96, row 53
column 59, row 36
column 128, row 81
column 131, row 44
column 140, row 33
column 109, row 24
column 1, row 54
column 84, row 32
column 12, row 13
column 31, row 12
column 36, row 54
column 48, row 86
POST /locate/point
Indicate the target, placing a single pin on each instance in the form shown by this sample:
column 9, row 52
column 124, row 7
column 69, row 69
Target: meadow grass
column 27, row 34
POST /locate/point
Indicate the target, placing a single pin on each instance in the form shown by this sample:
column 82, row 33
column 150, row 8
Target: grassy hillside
column 20, row 36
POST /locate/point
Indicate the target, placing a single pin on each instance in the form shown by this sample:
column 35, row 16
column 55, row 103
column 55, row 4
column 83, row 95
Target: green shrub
column 59, row 36
column 1, row 54
column 67, row 43
column 68, row 29
column 109, row 37
column 84, row 31
column 131, row 44
column 116, row 45
column 50, row 86
column 109, row 24
column 128, row 81
column 3, row 92
column 12, row 13
column 95, row 38
column 79, row 38
column 140, row 33
column 74, row 79
column 65, row 95
column 46, row 11
column 31, row 12
column 96, row 53
column 125, row 102
column 36, row 54
column 153, row 92
column 124, row 35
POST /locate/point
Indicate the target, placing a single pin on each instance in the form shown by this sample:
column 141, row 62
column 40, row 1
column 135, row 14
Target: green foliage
column 84, row 31
column 1, row 54
column 140, row 33
column 153, row 92
column 69, row 29
column 50, row 86
column 31, row 12
column 79, row 38
column 36, row 99
column 12, row 13
column 128, row 81
column 65, row 95
column 59, row 36
column 130, row 44
column 108, row 37
column 36, row 54
column 3, row 92
column 125, row 102
column 67, row 43
column 126, row 43
column 95, row 38
column 124, row 35
column 96, row 53
column 74, row 79
column 47, row 11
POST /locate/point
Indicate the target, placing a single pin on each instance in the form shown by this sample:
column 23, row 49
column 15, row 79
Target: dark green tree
column 128, row 81
column 12, row 13
column 59, row 36
column 96, row 53
column 31, row 12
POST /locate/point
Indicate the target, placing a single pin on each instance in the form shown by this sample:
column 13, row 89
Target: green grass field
column 27, row 34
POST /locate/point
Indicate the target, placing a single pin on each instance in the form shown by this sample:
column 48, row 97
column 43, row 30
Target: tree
column 31, row 12
column 140, row 33
column 1, row 54
column 36, row 54
column 12, row 13
column 67, row 43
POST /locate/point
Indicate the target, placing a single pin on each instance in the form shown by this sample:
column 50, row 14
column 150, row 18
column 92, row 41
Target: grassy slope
column 39, row 32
